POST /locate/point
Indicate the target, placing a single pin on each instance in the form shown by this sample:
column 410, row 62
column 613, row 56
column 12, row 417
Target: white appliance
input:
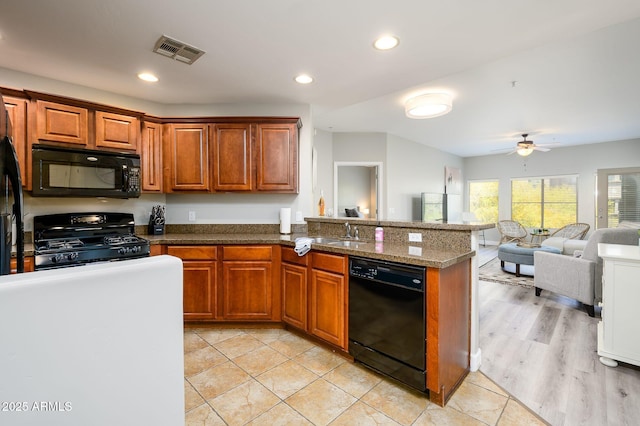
column 100, row 344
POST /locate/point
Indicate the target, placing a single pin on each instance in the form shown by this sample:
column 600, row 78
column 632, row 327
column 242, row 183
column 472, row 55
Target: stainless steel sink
column 348, row 243
column 326, row 240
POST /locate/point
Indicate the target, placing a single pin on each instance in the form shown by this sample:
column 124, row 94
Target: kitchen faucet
column 348, row 228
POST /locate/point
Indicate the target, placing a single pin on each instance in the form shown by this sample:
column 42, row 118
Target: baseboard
column 475, row 359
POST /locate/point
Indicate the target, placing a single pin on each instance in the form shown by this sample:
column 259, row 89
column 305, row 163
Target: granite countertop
column 413, row 254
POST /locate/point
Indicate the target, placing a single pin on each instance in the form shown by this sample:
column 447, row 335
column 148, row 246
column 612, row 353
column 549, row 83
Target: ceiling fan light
column 428, row 105
column 524, row 151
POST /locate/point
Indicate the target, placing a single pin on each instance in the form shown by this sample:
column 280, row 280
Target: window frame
column 541, row 203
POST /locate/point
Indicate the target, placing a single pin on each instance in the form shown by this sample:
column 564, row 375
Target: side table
column 538, row 237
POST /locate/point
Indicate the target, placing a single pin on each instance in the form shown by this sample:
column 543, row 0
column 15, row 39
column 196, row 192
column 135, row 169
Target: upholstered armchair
column 579, row 278
column 511, row 231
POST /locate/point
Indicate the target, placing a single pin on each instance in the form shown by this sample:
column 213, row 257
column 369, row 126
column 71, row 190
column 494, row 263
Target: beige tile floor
column 274, row 377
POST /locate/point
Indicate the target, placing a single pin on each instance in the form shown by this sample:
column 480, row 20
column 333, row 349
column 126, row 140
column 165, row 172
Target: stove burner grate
column 63, row 244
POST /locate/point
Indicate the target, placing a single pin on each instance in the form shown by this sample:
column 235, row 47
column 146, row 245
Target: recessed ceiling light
column 147, row 77
column 304, row 79
column 386, row 42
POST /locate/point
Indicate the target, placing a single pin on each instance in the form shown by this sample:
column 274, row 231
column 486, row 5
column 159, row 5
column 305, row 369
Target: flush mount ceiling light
column 386, row 42
column 147, row 77
column 304, row 79
column 428, row 105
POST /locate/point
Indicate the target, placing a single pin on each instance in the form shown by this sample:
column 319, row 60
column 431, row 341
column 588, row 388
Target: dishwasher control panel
column 397, row 274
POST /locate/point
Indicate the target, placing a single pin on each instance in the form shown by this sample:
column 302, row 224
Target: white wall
column 209, row 208
column 582, row 160
column 413, row 168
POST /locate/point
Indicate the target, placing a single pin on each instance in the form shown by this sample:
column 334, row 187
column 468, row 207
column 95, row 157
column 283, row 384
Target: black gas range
column 73, row 239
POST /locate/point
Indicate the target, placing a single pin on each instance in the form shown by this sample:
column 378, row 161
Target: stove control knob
column 72, row 256
column 122, row 250
column 135, row 249
column 56, row 258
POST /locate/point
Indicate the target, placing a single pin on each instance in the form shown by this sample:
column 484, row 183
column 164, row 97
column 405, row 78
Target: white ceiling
column 576, row 62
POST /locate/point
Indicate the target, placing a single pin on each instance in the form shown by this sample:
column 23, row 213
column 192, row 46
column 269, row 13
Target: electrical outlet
column 415, row 237
column 192, row 216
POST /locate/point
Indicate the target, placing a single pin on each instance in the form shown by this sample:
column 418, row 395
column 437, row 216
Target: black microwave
column 64, row 172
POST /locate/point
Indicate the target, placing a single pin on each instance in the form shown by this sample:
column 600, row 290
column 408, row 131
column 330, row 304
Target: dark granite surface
column 415, row 254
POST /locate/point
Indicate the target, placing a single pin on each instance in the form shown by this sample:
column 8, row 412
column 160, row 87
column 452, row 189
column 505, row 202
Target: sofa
column 579, row 276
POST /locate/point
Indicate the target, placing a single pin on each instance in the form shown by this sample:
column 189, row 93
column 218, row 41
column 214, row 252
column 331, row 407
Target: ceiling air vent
column 177, row 50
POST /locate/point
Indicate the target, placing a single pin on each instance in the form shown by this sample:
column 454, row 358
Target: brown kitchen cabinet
column 118, row 131
column 295, row 277
column 186, row 157
column 56, row 122
column 151, row 157
column 276, row 154
column 28, row 264
column 250, row 283
column 232, row 169
column 328, row 298
column 17, row 109
column 314, row 289
column 200, row 291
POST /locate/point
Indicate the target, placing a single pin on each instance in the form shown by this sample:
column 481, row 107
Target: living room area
column 543, row 349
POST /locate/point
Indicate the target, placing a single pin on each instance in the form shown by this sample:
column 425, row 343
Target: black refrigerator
column 11, row 201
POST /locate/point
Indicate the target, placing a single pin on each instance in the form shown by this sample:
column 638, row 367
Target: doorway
column 356, row 185
column 617, row 200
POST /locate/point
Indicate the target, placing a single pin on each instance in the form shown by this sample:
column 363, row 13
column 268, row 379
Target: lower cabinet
column 250, row 289
column 199, row 264
column 28, row 264
column 294, row 288
column 315, row 295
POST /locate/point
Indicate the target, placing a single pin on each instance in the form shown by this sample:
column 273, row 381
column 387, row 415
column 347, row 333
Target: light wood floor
column 542, row 350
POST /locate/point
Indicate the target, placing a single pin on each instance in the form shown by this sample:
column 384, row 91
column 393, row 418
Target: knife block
column 155, row 228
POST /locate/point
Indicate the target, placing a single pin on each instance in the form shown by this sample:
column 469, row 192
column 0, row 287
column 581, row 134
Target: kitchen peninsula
column 224, row 264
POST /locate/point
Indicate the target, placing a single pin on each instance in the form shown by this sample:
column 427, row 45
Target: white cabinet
column 619, row 329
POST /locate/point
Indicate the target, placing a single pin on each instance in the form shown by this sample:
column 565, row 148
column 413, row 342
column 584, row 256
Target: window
column 483, row 200
column 547, row 202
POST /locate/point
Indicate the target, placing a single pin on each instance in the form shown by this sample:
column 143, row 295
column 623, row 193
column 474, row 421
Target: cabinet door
column 247, row 289
column 327, row 307
column 186, row 159
column 199, row 266
column 199, row 289
column 28, row 264
column 17, row 109
column 62, row 123
column 277, row 158
column 150, row 157
column 117, row 131
column 294, row 292
column 232, row 157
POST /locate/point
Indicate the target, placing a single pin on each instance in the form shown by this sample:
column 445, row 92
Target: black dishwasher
column 387, row 328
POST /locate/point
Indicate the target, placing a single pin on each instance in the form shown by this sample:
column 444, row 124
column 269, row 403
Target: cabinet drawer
column 329, row 262
column 290, row 256
column 193, row 252
column 247, row 252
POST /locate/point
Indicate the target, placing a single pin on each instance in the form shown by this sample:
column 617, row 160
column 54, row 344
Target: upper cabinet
column 232, row 157
column 187, row 154
column 151, row 157
column 186, row 157
column 117, row 131
column 76, row 123
column 257, row 156
column 62, row 123
column 17, row 109
column 277, row 157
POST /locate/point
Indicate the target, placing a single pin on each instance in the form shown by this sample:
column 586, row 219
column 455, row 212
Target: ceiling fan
column 525, row 147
